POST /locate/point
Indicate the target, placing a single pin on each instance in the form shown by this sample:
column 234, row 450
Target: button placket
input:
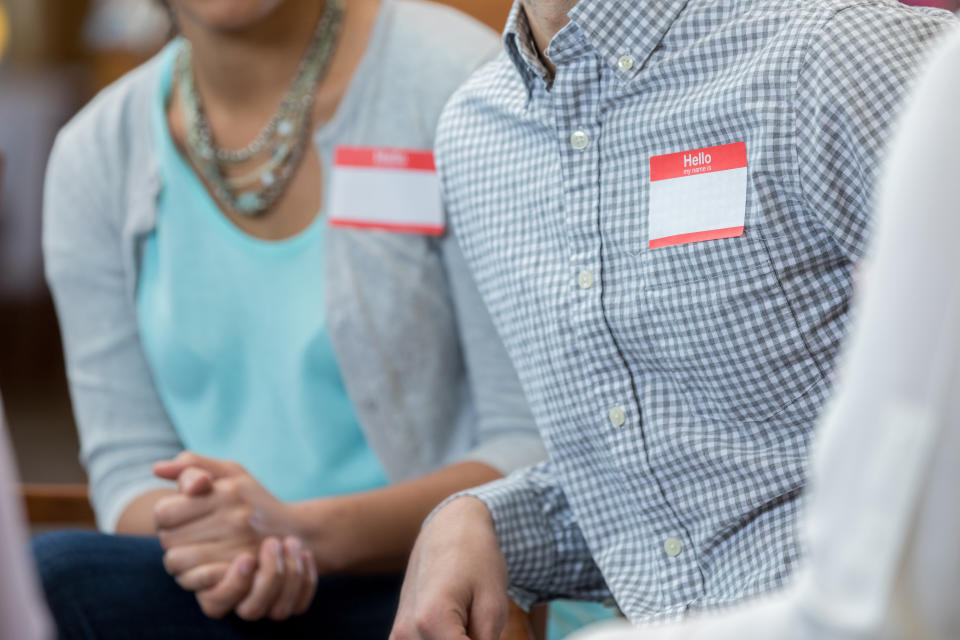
column 580, row 166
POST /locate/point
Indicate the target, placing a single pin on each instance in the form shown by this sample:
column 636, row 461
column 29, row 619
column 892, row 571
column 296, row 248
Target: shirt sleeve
column 857, row 70
column 547, row 556
column 122, row 423
column 506, row 436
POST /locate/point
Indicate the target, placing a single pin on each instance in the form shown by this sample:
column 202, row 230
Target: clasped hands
column 231, row 542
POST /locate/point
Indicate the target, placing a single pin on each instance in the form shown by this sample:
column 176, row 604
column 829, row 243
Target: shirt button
column 585, row 279
column 580, row 140
column 673, row 547
column 618, row 416
column 626, row 63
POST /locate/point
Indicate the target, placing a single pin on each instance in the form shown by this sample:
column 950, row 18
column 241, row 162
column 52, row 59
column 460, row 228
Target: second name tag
column 698, row 195
column 387, row 189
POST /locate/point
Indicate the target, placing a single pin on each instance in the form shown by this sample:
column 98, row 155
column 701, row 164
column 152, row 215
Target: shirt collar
column 615, row 28
column 520, row 47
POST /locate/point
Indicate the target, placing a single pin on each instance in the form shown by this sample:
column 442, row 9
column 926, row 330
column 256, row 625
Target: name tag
column 387, row 189
column 698, row 195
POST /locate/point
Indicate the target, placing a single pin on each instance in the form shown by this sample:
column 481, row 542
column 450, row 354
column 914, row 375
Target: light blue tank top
column 235, row 334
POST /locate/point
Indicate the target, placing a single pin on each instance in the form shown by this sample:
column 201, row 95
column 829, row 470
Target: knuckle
column 229, row 488
column 239, row 519
column 161, row 511
column 402, row 629
column 248, row 612
column 425, row 622
column 206, row 574
column 210, row 607
column 170, row 562
column 491, row 611
column 244, row 482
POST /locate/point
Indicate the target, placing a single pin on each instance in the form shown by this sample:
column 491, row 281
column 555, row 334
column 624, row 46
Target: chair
column 50, row 505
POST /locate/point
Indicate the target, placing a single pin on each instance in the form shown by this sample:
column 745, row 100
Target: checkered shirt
column 719, row 353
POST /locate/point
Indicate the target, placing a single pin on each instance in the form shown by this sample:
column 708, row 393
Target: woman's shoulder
column 101, row 155
column 117, row 120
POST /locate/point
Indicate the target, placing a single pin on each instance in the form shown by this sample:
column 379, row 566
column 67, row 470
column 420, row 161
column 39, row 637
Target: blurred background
column 54, row 56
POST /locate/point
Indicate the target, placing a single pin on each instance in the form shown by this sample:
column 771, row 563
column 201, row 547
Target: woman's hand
column 220, row 523
column 284, row 583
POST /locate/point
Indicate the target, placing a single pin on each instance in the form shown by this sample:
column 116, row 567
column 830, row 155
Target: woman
column 207, row 306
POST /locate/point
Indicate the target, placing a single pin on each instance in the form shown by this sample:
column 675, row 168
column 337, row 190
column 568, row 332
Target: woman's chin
column 227, row 15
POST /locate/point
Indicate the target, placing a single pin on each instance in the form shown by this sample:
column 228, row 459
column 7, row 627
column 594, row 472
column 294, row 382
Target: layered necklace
column 282, row 140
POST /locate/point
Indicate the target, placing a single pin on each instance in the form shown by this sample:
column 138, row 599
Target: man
column 883, row 523
column 663, row 204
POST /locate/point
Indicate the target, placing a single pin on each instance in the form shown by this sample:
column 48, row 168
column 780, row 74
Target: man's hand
column 456, row 582
column 220, row 527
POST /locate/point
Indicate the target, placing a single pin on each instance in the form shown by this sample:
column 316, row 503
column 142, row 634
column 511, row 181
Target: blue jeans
column 107, row 587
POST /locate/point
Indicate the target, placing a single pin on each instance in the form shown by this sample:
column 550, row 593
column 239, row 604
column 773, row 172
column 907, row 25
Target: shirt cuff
column 524, row 535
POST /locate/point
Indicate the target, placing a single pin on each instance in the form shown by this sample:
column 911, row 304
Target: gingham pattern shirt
column 676, row 392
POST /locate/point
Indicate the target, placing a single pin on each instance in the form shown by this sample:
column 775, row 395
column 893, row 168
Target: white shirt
column 883, row 527
column 22, row 613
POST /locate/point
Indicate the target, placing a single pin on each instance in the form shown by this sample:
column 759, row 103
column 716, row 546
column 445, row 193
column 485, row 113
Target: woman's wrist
column 320, row 523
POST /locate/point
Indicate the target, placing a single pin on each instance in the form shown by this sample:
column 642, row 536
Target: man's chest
column 662, row 221
column 625, row 191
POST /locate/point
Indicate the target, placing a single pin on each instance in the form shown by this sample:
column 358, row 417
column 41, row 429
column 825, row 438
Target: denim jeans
column 107, row 587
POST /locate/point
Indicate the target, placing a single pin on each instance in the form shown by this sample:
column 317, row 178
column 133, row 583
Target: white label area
column 697, row 195
column 387, row 189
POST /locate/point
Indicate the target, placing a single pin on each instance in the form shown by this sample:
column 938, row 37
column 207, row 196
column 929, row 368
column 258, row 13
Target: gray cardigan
column 424, row 367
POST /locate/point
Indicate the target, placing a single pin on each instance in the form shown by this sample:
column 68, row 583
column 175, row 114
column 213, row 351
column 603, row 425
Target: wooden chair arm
column 57, row 504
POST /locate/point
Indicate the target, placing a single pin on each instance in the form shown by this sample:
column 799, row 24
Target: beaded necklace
column 284, row 137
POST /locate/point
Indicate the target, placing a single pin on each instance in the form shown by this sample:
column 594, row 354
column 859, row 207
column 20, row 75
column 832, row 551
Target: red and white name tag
column 698, row 195
column 388, row 189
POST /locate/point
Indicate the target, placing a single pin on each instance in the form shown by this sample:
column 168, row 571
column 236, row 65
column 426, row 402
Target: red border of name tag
column 696, row 162
column 386, row 158
column 424, row 229
column 381, row 158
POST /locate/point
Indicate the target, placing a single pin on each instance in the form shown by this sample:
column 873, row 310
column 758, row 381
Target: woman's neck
column 250, row 69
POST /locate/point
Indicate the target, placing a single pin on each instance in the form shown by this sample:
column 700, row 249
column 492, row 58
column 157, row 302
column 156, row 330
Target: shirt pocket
column 724, row 335
column 704, row 260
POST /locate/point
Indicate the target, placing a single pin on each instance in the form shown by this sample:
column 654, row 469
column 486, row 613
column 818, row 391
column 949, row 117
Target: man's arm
column 857, row 71
column 522, row 527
